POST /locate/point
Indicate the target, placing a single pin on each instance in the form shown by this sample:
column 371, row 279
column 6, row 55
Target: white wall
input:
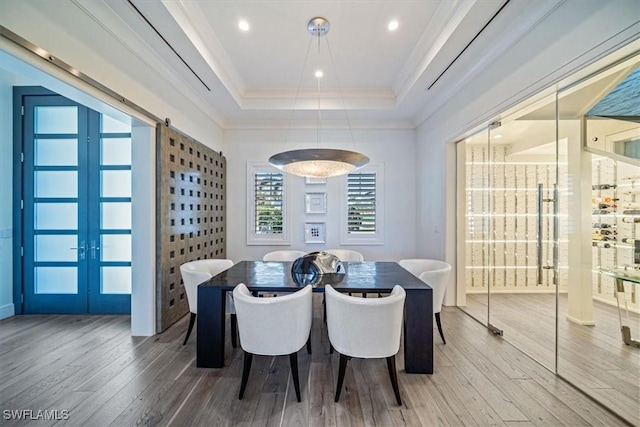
column 576, row 34
column 6, row 194
column 395, row 148
column 104, row 56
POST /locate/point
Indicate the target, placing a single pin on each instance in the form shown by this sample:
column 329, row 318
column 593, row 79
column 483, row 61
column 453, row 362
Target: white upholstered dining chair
column 347, row 255
column 196, row 272
column 282, row 255
column 273, row 327
column 434, row 273
column 366, row 328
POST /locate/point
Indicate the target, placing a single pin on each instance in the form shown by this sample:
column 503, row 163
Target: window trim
column 376, row 238
column 269, row 239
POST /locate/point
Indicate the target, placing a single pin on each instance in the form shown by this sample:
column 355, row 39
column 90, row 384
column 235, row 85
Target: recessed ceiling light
column 393, row 25
column 497, row 136
column 319, row 73
column 243, row 25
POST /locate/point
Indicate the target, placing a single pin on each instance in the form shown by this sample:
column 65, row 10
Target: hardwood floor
column 91, row 367
column 593, row 358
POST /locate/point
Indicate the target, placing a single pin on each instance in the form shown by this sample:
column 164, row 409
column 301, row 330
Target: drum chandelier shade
column 319, row 162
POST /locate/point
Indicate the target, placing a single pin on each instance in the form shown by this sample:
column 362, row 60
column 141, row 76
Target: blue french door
column 76, row 208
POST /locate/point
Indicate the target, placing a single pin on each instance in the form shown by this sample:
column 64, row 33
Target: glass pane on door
column 56, row 216
column 56, row 248
column 116, row 280
column 116, row 183
column 116, row 247
column 56, row 120
column 56, row 152
column 116, row 215
column 56, row 280
column 56, row 184
column 116, row 151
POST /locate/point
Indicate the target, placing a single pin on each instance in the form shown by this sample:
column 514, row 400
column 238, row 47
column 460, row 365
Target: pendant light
column 319, row 162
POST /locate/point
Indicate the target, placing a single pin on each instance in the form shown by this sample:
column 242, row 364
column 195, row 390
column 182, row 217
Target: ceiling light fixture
column 393, row 25
column 320, row 162
column 243, row 25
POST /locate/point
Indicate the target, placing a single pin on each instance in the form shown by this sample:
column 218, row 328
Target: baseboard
column 515, row 291
column 581, row 322
column 7, row 310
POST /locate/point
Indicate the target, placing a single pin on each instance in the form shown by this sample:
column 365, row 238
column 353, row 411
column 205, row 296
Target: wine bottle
column 602, row 225
column 600, row 237
column 603, row 186
column 601, row 212
column 605, row 232
column 632, row 220
column 628, row 240
column 631, row 212
column 607, row 200
column 601, row 244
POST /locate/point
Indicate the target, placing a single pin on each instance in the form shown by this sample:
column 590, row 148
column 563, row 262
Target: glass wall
column 601, row 116
column 552, row 220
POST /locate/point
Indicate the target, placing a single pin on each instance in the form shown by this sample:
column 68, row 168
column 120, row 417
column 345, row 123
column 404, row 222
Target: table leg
column 418, row 331
column 211, row 313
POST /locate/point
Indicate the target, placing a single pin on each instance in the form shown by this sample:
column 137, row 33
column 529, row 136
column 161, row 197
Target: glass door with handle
column 75, row 208
column 510, row 186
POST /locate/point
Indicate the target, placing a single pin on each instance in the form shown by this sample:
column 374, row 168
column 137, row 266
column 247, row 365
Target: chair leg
column 234, row 330
column 324, row 308
column 341, row 371
column 192, row 320
column 293, row 359
column 248, row 357
column 440, row 327
column 330, row 348
column 391, row 365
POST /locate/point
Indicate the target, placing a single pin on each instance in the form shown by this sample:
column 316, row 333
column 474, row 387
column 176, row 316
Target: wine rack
column 502, row 216
column 616, row 222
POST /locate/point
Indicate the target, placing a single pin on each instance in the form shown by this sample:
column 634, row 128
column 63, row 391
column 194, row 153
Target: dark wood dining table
column 361, row 277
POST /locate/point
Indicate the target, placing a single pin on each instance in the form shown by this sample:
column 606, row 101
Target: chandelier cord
column 318, row 162
column 344, row 105
column 297, row 95
column 319, row 130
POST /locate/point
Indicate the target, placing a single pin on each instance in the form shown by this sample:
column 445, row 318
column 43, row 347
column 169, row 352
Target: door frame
column 92, row 294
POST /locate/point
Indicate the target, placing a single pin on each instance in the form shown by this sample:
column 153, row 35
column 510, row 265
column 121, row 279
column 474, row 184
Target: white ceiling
column 377, row 75
column 264, row 77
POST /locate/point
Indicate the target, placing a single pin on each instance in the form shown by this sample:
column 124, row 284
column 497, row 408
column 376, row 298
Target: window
column 362, row 201
column 266, row 206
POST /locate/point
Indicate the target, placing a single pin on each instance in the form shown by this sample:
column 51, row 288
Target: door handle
column 94, row 249
column 539, row 240
column 555, row 231
column 81, row 250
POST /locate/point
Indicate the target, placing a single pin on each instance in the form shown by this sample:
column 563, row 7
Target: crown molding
column 326, row 125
